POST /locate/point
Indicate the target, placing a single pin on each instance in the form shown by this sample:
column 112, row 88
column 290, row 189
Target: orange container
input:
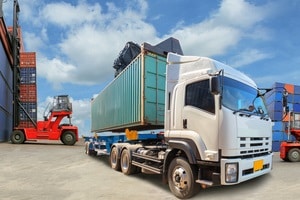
column 27, row 59
column 289, row 88
column 28, row 93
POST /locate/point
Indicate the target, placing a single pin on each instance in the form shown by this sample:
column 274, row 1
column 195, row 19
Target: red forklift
column 290, row 150
column 51, row 128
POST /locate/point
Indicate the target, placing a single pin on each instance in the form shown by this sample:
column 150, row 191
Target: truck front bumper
column 237, row 170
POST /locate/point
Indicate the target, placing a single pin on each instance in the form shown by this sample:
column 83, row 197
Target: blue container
column 297, row 98
column 6, row 93
column 273, row 96
column 297, row 89
column 290, row 98
column 296, row 107
column 277, row 135
column 278, row 126
column 28, row 75
column 279, row 87
column 275, row 115
column 276, row 146
column 31, row 109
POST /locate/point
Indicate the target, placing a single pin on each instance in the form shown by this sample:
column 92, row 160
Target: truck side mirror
column 215, row 86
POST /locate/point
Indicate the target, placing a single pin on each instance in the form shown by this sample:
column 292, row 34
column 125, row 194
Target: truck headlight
column 231, row 172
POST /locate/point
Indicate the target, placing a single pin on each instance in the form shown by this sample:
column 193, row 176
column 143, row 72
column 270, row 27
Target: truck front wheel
column 17, row 137
column 181, row 178
column 294, row 155
column 68, row 138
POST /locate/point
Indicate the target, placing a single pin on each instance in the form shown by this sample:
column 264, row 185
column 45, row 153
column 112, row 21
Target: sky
column 77, row 41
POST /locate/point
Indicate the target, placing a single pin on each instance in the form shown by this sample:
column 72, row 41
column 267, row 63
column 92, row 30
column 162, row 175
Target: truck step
column 204, row 182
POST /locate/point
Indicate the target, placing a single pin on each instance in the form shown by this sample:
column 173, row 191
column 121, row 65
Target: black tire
column 126, row 167
column 17, row 137
column 68, row 138
column 181, row 178
column 294, row 155
column 89, row 151
column 114, row 160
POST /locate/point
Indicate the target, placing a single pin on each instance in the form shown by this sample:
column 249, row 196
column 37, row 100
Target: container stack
column 276, row 111
column 28, row 89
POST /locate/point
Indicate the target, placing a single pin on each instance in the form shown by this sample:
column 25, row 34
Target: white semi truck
column 215, row 127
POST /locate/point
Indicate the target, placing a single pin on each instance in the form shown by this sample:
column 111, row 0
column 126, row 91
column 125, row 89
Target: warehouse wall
column 276, row 112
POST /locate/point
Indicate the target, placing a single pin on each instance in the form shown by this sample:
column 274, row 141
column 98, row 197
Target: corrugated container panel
column 296, row 107
column 28, row 75
column 31, row 109
column 276, row 146
column 275, row 115
column 275, row 106
column 297, row 89
column 297, row 98
column 290, row 98
column 28, row 93
column 6, row 95
column 27, row 59
column 279, row 126
column 131, row 101
column 272, row 96
column 277, row 135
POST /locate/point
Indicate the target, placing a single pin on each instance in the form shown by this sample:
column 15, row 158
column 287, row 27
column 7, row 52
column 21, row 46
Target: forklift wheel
column 17, row 137
column 68, row 138
column 294, row 155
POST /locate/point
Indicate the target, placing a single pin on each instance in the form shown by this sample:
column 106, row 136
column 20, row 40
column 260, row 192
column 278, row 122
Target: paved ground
column 55, row 171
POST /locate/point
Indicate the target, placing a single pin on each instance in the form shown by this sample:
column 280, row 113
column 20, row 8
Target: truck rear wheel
column 114, row 160
column 68, row 138
column 17, row 137
column 294, row 155
column 125, row 162
column 181, row 178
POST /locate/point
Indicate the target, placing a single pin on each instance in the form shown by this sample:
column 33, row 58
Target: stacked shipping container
column 28, row 89
column 276, row 112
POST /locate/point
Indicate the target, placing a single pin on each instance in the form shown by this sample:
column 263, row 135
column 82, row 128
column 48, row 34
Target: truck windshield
column 238, row 96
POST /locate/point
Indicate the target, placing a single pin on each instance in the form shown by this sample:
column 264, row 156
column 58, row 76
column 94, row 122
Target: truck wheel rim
column 295, row 155
column 69, row 138
column 180, row 178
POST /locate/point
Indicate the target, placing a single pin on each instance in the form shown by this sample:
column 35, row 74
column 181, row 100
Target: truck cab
column 216, row 118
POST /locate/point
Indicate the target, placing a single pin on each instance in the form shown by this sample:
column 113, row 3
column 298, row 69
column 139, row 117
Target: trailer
column 205, row 123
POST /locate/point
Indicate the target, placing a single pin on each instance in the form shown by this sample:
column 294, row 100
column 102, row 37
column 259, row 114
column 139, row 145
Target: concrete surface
column 51, row 170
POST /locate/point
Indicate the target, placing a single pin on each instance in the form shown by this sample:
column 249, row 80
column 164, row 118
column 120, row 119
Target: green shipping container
column 135, row 99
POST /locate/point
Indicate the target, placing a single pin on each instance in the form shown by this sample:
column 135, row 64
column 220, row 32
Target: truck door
column 199, row 117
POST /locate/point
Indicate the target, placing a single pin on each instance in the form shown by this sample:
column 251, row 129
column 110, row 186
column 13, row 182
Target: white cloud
column 56, row 71
column 225, row 28
column 248, row 56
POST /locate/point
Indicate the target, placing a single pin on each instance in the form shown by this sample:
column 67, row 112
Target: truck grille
column 254, row 146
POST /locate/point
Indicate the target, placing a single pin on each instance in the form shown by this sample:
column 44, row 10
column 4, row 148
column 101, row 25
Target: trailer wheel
column 17, row 137
column 294, row 155
column 114, row 160
column 126, row 166
column 68, row 138
column 88, row 150
column 181, row 178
